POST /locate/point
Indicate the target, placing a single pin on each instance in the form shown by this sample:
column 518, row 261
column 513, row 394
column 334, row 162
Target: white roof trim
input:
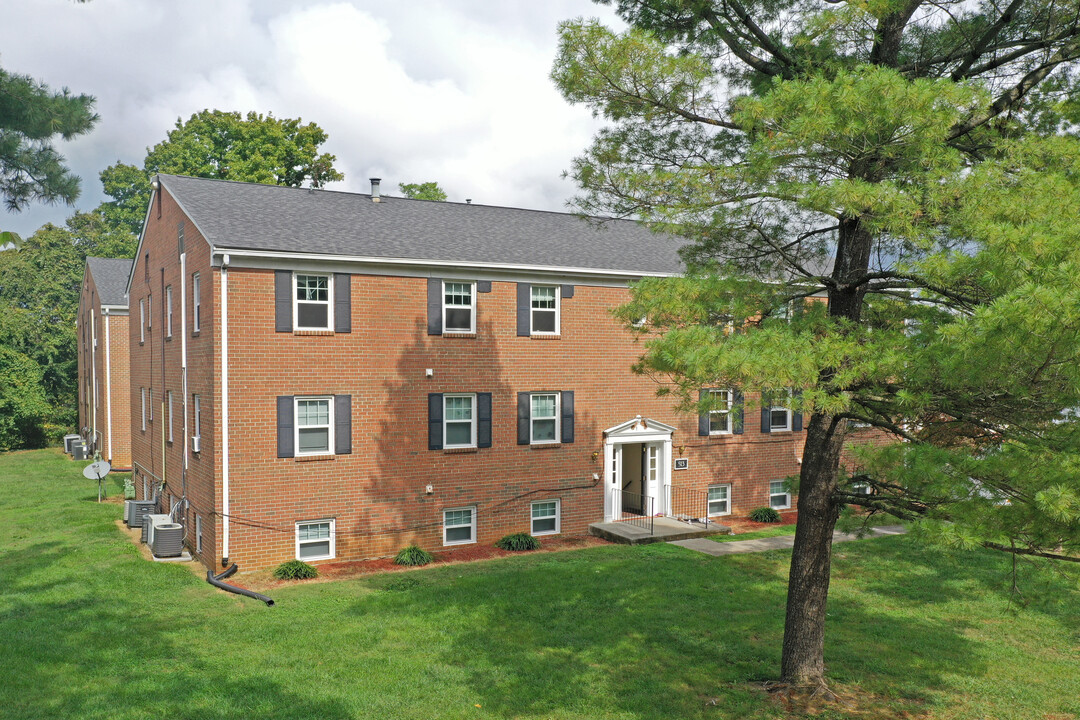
column 639, row 426
column 438, row 264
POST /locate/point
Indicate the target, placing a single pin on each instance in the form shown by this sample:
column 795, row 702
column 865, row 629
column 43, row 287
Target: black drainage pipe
column 215, row 580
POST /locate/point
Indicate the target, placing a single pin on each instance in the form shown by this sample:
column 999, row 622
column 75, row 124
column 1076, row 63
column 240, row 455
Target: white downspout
column 93, row 376
column 183, row 352
column 225, row 406
column 108, row 383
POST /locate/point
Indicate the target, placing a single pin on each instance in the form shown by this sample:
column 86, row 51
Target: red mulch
column 263, row 580
column 740, row 525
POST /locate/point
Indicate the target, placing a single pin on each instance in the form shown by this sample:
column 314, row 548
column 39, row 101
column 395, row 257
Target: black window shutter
column 283, row 289
column 285, row 426
column 524, row 308
column 342, row 302
column 523, row 418
column 568, row 416
column 434, row 314
column 766, row 413
column 796, row 418
column 566, row 291
column 703, row 418
column 343, row 424
column 483, row 420
column 435, row 421
column 483, row 286
column 737, row 412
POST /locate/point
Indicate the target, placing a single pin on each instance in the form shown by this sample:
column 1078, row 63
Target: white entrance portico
column 637, row 468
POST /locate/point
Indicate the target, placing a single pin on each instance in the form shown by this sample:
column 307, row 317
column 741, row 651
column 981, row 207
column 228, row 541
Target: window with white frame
column 545, row 517
column 312, row 309
column 314, row 430
column 720, row 415
column 779, row 499
column 142, row 397
column 142, row 321
column 198, row 534
column 779, row 418
column 196, row 302
column 459, row 302
column 168, row 311
column 544, row 418
column 150, row 394
column 459, row 526
column 315, row 540
column 544, row 310
column 719, row 500
column 459, row 420
column 149, row 310
column 196, row 424
column 168, row 400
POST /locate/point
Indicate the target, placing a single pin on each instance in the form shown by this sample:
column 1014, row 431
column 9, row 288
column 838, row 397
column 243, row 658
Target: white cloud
column 456, row 92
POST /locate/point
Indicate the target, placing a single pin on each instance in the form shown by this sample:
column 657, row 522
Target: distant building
column 102, row 326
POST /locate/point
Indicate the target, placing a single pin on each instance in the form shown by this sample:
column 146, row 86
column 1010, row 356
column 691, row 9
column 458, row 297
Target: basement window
column 459, row 526
column 719, row 500
column 545, row 517
column 315, row 540
column 779, row 499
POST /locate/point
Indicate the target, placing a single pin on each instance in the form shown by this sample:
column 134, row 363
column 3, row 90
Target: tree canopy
column 226, row 146
column 903, row 161
column 423, row 191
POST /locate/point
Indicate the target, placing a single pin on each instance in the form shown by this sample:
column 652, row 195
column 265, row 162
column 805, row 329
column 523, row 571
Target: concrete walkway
column 780, row 542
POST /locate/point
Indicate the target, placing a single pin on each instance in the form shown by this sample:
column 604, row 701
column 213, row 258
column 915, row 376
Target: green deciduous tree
column 31, row 116
column 223, row 145
column 423, row 191
column 903, row 160
column 22, row 401
column 39, row 299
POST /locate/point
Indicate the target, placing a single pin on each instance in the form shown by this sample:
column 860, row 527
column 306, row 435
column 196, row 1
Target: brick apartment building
column 332, row 376
column 102, row 327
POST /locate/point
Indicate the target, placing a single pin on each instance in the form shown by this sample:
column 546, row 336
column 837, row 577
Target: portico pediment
column 639, row 428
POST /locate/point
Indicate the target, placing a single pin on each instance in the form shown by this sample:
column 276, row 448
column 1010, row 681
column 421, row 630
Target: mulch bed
column 744, row 525
column 263, row 580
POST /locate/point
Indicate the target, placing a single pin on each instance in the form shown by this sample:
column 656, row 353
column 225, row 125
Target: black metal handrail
column 689, row 504
column 637, row 510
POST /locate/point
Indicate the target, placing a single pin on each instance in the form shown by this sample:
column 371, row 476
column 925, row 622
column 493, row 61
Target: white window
column 145, row 489
column 719, row 500
column 315, row 540
column 168, row 399
column 198, row 534
column 196, row 402
column 459, row 526
column 150, row 310
column 779, row 499
column 196, row 300
column 312, row 306
column 544, row 418
column 142, row 396
column 545, row 310
column 168, row 311
column 720, row 416
column 314, row 431
column 545, row 517
column 779, row 418
column 150, row 392
column 459, row 421
column 142, row 321
column 458, row 305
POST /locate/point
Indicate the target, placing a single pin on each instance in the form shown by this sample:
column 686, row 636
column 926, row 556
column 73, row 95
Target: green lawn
column 765, row 533
column 90, row 630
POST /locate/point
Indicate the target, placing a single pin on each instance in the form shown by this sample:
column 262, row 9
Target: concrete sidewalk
column 780, row 542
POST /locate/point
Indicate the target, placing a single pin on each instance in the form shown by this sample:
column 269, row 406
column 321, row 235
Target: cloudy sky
column 408, row 90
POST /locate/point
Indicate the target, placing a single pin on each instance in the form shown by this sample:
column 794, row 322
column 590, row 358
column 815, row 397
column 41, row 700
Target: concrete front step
column 664, row 530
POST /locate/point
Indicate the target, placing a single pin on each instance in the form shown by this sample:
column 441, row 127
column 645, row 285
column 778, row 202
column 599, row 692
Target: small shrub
column 764, row 515
column 413, row 555
column 518, row 542
column 295, row 570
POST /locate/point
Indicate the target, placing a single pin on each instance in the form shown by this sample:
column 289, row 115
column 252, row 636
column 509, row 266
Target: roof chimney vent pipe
column 375, row 190
column 468, row 201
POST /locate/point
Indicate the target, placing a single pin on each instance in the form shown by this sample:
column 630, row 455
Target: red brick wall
column 377, row 494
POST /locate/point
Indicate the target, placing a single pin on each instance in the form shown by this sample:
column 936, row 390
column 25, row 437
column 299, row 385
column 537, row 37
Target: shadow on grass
column 652, row 632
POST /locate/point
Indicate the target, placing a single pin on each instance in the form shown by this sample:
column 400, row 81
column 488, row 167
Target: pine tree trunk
column 803, row 661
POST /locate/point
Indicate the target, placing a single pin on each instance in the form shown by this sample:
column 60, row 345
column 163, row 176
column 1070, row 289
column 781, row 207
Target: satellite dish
column 96, row 470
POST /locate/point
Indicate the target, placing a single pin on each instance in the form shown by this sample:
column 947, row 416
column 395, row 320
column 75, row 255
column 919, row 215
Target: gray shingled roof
column 248, row 216
column 111, row 277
